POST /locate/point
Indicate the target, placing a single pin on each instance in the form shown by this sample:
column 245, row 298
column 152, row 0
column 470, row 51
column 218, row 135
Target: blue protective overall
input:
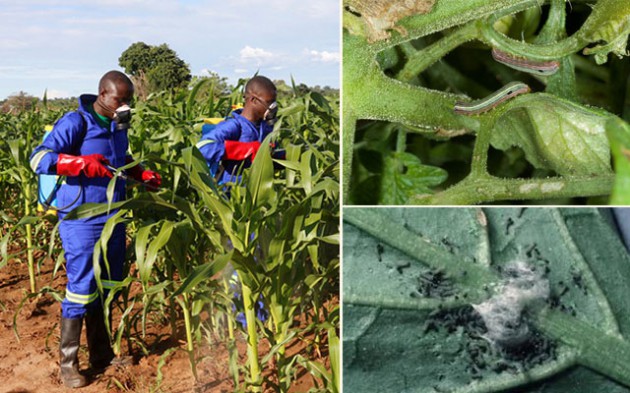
column 80, row 134
column 235, row 128
column 212, row 147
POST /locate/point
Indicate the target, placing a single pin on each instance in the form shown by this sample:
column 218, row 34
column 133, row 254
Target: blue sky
column 65, row 46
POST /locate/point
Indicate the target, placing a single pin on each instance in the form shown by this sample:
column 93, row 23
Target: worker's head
column 115, row 91
column 260, row 99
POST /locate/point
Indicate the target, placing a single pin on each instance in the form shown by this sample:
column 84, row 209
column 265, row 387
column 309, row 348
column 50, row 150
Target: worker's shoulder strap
column 83, row 131
column 84, row 124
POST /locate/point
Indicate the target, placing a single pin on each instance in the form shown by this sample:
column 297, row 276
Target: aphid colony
column 479, row 355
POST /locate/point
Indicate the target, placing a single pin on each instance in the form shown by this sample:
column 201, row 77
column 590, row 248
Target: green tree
column 216, row 87
column 154, row 68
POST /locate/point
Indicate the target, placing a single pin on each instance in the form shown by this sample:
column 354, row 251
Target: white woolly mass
column 502, row 313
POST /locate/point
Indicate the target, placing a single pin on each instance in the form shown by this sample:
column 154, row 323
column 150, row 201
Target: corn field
column 278, row 232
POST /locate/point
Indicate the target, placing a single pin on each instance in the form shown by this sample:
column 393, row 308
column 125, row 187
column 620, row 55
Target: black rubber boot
column 101, row 353
column 69, row 351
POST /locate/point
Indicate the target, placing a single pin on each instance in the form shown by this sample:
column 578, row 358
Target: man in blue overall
column 233, row 144
column 80, row 146
column 235, row 141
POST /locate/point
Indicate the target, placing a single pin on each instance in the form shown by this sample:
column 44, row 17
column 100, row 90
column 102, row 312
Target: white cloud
column 323, row 56
column 234, row 40
column 257, row 55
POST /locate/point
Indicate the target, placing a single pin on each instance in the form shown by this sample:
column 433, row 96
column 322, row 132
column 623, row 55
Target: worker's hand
column 151, row 179
column 241, row 150
column 92, row 165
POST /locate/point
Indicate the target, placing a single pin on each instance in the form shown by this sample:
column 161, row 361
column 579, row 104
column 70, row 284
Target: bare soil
column 30, row 364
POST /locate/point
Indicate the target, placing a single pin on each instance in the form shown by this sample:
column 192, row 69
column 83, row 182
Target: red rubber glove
column 92, row 165
column 241, row 150
column 152, row 179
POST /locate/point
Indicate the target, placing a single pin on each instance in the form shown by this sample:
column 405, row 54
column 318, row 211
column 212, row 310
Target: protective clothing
column 69, row 351
column 78, row 134
column 101, row 353
column 234, row 144
column 152, row 179
column 76, row 147
column 90, row 165
column 241, row 150
column 236, row 128
column 78, row 240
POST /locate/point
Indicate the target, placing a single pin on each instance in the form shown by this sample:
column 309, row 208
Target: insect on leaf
column 411, row 324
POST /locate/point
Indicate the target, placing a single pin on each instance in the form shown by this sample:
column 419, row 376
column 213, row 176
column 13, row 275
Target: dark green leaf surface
column 387, row 346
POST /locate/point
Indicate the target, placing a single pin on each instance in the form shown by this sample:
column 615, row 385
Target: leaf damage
column 379, row 16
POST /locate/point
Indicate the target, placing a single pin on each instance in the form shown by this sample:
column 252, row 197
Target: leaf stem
column 553, row 51
column 252, row 336
column 401, row 140
column 473, row 190
column 402, row 304
column 422, row 59
column 597, row 350
column 349, row 127
column 377, row 222
column 190, row 346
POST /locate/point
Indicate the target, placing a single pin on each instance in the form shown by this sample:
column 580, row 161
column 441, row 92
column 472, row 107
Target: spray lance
column 126, row 177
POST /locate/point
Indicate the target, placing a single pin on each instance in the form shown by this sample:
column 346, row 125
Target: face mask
column 270, row 113
column 122, row 117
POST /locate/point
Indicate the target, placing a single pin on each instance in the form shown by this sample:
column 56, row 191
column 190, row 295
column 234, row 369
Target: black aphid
column 532, row 251
column 400, row 268
column 508, row 225
column 578, row 281
column 435, row 284
column 536, row 350
column 448, row 244
column 379, row 251
column 564, row 291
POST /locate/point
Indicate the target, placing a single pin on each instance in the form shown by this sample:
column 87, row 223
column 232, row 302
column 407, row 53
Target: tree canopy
column 154, row 68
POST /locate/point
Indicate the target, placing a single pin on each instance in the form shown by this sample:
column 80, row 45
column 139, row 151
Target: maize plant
column 21, row 225
column 278, row 230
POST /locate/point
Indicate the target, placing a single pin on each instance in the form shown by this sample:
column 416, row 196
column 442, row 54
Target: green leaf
column 142, row 240
column 155, row 246
column 608, row 26
column 393, row 340
column 555, row 134
column 260, row 181
column 618, row 133
column 405, row 176
column 202, row 273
